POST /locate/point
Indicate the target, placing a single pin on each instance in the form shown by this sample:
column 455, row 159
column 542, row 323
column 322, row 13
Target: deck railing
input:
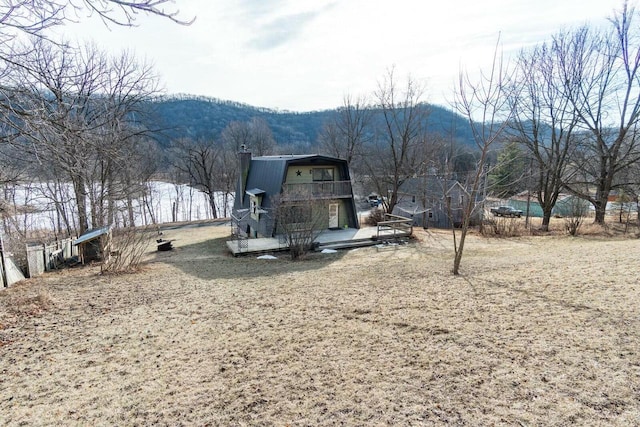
column 317, row 190
column 394, row 227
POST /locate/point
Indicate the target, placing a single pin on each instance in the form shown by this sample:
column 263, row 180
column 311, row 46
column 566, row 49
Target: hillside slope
column 201, row 117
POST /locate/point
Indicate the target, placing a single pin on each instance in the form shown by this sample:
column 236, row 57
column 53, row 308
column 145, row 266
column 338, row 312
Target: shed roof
column 255, row 192
column 92, row 234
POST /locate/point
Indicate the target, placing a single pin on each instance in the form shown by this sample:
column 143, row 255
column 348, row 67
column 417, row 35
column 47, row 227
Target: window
column 322, row 174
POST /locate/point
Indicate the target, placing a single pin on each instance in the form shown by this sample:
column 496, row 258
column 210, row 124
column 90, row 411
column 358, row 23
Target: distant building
column 432, row 201
column 564, row 207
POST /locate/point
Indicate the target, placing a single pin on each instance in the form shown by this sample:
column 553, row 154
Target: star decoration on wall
column 298, row 173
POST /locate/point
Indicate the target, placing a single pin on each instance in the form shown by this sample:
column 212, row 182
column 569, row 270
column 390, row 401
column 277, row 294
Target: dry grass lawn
column 537, row 331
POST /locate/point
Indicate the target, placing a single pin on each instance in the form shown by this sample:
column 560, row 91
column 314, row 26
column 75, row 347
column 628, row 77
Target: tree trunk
column 111, row 202
column 546, row 218
column 601, row 210
column 458, row 258
column 466, row 219
column 212, row 204
column 81, row 202
column 132, row 219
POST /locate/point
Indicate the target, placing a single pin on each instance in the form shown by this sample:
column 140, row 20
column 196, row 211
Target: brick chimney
column 245, row 161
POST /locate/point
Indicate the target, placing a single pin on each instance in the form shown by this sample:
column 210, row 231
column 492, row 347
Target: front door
column 333, row 215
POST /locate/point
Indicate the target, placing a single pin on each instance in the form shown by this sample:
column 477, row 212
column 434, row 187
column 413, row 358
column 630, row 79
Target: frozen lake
column 163, row 202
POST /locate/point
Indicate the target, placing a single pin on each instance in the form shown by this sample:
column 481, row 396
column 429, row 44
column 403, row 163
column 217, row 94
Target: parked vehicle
column 374, row 200
column 507, row 211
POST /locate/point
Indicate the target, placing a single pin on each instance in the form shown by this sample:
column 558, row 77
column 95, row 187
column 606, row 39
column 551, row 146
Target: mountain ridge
column 202, row 117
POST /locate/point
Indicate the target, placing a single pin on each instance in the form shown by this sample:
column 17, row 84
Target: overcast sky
column 304, row 55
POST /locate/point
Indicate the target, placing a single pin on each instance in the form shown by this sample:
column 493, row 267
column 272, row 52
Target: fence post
column 3, row 275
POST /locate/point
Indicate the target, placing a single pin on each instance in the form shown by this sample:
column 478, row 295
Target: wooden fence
column 47, row 257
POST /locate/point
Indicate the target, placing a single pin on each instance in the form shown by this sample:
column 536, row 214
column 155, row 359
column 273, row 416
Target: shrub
column 502, row 226
column 579, row 209
column 125, row 251
column 375, row 216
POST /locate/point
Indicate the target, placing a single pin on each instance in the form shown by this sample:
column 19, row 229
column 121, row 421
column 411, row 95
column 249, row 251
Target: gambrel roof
column 268, row 174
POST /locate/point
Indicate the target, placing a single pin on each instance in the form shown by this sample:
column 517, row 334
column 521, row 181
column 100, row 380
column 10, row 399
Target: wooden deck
column 343, row 238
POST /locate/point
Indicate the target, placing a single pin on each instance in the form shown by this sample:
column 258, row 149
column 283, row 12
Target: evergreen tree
column 506, row 178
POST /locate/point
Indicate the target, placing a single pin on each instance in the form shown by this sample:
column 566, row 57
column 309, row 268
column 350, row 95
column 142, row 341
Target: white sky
column 304, row 55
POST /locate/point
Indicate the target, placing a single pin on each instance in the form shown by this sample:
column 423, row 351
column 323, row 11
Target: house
column 267, row 183
column 432, row 201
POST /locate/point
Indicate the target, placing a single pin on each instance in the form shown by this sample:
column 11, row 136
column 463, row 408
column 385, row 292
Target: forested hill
column 198, row 117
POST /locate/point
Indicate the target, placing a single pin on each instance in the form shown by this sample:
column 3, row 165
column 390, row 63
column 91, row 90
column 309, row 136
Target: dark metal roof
column 302, row 159
column 285, row 157
column 268, row 173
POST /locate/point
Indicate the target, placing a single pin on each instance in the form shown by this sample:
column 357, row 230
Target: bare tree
column 485, row 104
column 75, row 111
column 261, row 139
column 34, row 16
column 600, row 72
column 227, row 176
column 236, row 135
column 543, row 120
column 255, row 135
column 396, row 153
column 199, row 162
column 345, row 136
column 13, row 165
column 299, row 218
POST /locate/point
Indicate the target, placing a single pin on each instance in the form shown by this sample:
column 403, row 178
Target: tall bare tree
column 261, row 138
column 345, row 136
column 75, row 110
column 485, row 105
column 600, row 71
column 255, row 135
column 543, row 120
column 396, row 153
column 236, row 135
column 199, row 162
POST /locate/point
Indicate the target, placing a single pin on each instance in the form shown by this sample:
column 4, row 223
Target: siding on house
column 430, row 193
column 306, row 175
column 271, row 173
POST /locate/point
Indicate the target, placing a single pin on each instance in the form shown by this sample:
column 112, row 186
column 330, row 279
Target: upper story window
column 322, row 174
